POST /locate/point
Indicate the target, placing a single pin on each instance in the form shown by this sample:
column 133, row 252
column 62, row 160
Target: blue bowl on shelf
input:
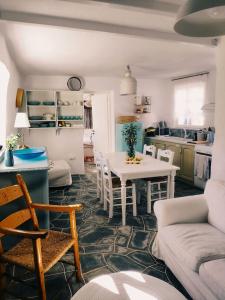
column 29, row 153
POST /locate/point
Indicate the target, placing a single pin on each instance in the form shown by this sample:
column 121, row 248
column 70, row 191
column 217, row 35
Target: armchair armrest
column 58, row 208
column 24, row 233
column 190, row 209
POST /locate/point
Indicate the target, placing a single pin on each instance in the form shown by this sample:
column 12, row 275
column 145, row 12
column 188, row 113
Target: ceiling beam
column 156, row 5
column 99, row 26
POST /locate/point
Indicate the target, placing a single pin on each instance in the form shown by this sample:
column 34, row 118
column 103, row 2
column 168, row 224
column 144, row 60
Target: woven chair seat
column 54, row 246
column 116, row 183
column 156, row 179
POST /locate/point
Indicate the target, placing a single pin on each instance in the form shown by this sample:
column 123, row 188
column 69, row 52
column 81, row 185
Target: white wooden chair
column 149, row 150
column 112, row 191
column 157, row 182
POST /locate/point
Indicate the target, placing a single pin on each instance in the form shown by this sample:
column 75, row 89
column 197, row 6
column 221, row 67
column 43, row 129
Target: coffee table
column 127, row 285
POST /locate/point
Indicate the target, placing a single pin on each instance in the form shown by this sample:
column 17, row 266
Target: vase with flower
column 11, row 144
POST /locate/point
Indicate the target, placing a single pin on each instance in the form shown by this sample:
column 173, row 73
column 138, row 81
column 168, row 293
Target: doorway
column 99, row 131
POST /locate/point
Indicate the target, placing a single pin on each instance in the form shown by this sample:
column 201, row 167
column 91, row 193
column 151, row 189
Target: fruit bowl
column 29, row 153
column 134, row 160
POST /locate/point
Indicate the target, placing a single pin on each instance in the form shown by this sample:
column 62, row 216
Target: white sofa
column 191, row 240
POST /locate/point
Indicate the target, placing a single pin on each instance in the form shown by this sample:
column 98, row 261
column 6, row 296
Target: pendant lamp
column 201, row 18
column 128, row 85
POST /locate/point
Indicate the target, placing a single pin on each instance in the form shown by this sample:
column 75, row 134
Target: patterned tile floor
column 105, row 245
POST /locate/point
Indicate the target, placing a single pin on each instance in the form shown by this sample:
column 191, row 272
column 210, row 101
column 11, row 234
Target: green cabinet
column 177, row 149
column 187, row 163
column 183, row 157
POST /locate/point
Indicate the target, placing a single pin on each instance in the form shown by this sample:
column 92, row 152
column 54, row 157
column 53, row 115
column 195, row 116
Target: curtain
column 189, row 97
column 88, row 117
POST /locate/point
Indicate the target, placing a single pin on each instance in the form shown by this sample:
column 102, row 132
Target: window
column 189, row 97
column 4, row 80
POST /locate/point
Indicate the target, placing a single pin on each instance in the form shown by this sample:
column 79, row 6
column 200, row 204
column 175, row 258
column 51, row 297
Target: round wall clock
column 74, row 84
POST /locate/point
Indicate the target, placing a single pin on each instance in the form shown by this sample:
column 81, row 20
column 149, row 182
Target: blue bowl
column 28, row 153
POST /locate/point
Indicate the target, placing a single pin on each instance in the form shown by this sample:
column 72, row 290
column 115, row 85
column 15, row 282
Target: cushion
column 194, row 244
column 215, row 197
column 59, row 173
column 212, row 273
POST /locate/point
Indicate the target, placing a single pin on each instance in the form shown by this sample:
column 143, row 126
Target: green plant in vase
column 130, row 137
column 11, row 144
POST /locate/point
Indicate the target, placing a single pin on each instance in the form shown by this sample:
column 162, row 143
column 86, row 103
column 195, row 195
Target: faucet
column 185, row 133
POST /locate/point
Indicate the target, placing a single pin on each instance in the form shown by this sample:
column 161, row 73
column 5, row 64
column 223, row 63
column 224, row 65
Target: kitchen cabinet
column 183, row 157
column 159, row 145
column 187, row 163
column 177, row 149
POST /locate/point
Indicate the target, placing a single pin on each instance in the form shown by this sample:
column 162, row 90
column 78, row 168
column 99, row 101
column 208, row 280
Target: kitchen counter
column 35, row 175
column 172, row 139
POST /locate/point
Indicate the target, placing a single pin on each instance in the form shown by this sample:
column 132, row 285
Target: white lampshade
column 201, row 18
column 128, row 85
column 21, row 120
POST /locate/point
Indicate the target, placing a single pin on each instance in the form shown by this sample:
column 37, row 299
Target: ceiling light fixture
column 201, row 18
column 128, row 85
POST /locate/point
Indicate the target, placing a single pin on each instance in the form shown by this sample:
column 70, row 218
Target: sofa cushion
column 194, row 244
column 215, row 197
column 212, row 273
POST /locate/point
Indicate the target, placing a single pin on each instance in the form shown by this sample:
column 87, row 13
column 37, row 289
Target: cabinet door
column 159, row 145
column 187, row 163
column 176, row 148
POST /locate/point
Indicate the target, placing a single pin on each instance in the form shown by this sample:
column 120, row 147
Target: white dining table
column 149, row 167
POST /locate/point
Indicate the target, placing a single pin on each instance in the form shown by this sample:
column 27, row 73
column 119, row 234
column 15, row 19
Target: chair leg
column 2, row 281
column 159, row 189
column 168, row 188
column 102, row 193
column 134, row 200
column 39, row 268
column 77, row 260
column 105, row 193
column 149, row 198
column 110, row 205
column 75, row 245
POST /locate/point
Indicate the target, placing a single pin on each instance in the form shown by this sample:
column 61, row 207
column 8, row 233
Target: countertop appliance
column 202, row 165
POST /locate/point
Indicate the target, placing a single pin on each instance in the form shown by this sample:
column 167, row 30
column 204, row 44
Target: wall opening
column 4, row 81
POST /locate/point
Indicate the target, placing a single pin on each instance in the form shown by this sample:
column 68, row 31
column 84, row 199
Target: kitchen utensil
column 19, row 97
column 48, row 116
column 29, row 153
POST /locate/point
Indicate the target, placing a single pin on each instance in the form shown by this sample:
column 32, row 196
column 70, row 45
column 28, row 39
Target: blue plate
column 28, row 153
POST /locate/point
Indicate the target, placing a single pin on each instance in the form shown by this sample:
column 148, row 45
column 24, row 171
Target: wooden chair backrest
column 165, row 155
column 12, row 193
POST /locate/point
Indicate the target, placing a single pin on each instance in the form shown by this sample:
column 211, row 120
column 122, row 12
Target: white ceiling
column 91, row 38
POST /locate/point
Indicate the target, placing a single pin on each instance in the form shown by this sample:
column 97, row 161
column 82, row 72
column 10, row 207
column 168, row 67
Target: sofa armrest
column 190, row 209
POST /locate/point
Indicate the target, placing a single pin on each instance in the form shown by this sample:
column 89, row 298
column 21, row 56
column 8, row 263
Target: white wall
column 14, row 83
column 68, row 145
column 218, row 162
column 163, row 101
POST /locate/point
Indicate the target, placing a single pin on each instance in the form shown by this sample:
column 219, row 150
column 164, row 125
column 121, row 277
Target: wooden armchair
column 39, row 250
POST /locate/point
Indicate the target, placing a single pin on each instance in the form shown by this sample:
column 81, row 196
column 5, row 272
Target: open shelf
column 72, row 108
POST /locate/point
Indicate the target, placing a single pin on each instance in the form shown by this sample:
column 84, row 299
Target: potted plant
column 130, row 137
column 11, row 144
